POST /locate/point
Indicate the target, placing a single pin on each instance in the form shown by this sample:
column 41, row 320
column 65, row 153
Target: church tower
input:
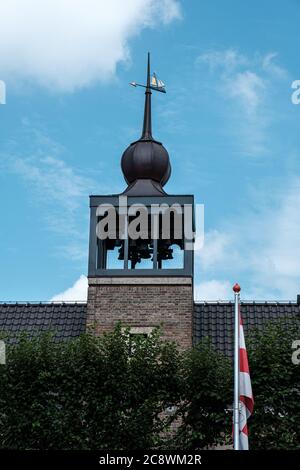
column 141, row 245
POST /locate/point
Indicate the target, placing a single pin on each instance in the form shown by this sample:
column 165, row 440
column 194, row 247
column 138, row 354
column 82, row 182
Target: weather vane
column 153, row 82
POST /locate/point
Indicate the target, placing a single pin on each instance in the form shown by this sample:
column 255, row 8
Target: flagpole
column 236, row 409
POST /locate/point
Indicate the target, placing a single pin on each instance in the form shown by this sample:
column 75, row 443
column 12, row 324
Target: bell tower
column 141, row 245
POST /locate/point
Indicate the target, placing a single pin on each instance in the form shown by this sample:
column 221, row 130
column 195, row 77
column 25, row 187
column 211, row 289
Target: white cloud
column 76, row 293
column 214, row 247
column 248, row 88
column 261, row 245
column 68, row 44
column 271, row 67
column 229, row 59
column 53, row 180
column 245, row 85
column 277, row 260
column 213, row 290
column 44, row 170
column 59, row 189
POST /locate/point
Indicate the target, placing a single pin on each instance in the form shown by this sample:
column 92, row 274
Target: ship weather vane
column 153, row 82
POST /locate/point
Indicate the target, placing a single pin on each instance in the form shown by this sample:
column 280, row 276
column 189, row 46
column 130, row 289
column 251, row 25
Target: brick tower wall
column 141, row 304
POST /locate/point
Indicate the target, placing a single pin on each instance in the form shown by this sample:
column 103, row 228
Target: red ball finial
column 236, row 288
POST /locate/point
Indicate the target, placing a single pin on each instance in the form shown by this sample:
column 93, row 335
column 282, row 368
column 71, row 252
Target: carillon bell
column 164, row 250
column 144, row 250
column 121, row 251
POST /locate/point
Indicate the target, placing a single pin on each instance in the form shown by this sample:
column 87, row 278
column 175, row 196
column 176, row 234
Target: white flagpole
column 236, row 401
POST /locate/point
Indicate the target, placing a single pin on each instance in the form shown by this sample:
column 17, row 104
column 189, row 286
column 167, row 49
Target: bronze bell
column 164, row 250
column 121, row 250
column 144, row 250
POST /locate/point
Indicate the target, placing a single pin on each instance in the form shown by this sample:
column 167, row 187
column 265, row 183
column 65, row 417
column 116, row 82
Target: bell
column 121, row 252
column 144, row 250
column 133, row 255
column 164, row 251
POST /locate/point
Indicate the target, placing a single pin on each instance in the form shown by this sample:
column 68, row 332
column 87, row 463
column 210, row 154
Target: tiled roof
column 211, row 319
column 215, row 319
column 66, row 320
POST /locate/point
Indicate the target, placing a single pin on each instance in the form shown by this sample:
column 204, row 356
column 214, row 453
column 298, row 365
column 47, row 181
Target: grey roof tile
column 212, row 319
column 65, row 320
column 215, row 319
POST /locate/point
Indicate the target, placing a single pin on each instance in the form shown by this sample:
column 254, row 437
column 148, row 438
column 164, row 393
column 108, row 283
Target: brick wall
column 143, row 302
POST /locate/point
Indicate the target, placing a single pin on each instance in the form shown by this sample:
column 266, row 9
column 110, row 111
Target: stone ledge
column 140, row 281
column 138, row 330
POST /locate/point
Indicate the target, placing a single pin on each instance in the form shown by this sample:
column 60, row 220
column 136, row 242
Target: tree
column 276, row 387
column 206, row 394
column 106, row 392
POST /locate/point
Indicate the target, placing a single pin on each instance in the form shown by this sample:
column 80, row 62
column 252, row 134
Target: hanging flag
column 243, row 397
column 245, row 389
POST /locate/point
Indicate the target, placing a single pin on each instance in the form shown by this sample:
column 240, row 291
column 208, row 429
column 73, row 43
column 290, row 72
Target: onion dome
column 145, row 163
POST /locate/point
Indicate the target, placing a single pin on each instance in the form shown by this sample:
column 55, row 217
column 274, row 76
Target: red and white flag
column 245, row 390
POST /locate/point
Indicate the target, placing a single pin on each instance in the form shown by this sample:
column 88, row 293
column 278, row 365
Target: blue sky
column 227, row 121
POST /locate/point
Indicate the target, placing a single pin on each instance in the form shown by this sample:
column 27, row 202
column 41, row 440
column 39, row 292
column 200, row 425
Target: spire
column 145, row 163
column 147, row 126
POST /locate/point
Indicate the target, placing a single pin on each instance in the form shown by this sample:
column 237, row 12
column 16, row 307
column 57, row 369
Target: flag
column 246, row 402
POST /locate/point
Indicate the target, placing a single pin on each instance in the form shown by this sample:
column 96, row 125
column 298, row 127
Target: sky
column 227, row 121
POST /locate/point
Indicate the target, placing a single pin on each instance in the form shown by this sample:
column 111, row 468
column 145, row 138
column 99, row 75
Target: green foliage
column 276, row 387
column 105, row 392
column 206, row 378
column 112, row 392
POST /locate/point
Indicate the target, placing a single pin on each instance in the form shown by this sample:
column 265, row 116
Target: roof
column 66, row 320
column 211, row 319
column 215, row 319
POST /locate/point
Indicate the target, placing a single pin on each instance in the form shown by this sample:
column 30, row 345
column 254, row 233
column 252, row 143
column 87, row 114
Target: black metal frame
column 94, row 271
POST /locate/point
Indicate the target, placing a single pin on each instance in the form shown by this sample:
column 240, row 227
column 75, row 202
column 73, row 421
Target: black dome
column 146, row 160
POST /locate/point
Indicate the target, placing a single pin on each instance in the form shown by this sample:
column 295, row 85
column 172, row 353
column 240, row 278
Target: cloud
column 213, row 290
column 239, row 82
column 248, row 88
column 276, row 261
column 76, row 293
column 228, row 59
column 269, row 65
column 245, row 84
column 215, row 245
column 68, row 44
column 261, row 246
column 58, row 188
column 53, row 180
column 43, row 168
